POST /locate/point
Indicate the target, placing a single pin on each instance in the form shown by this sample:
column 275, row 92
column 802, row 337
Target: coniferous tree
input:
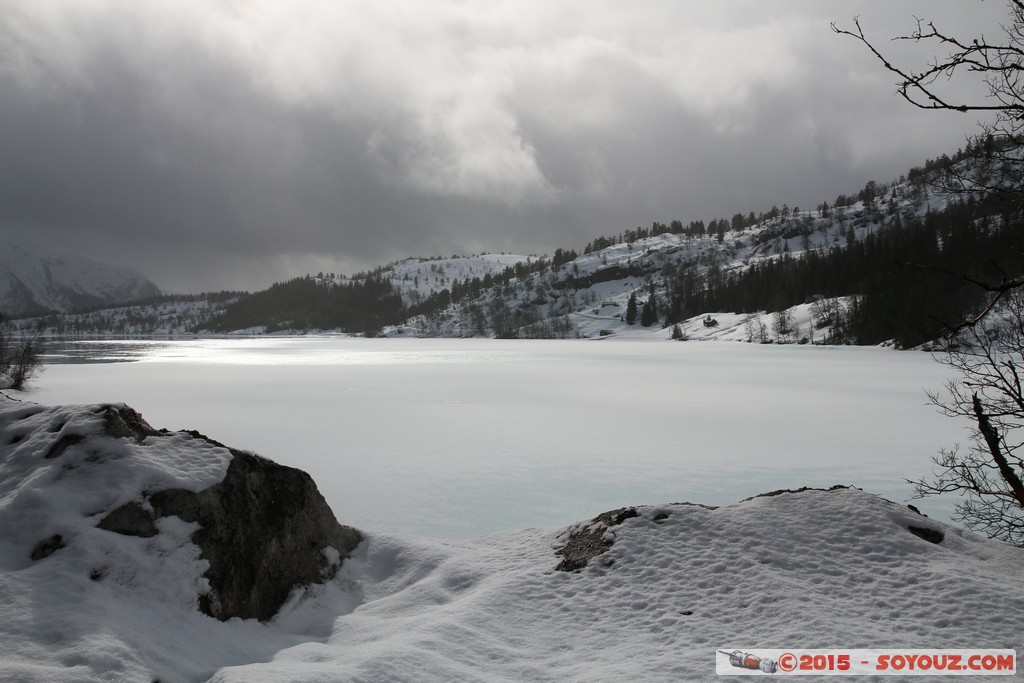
column 631, row 309
column 649, row 313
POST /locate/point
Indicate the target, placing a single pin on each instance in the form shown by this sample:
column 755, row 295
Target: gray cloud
column 231, row 144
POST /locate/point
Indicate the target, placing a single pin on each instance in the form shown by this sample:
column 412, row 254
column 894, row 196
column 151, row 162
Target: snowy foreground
column 814, row 569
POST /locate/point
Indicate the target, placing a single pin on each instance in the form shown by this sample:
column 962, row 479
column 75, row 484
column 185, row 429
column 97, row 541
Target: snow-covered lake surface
column 455, row 439
column 460, row 438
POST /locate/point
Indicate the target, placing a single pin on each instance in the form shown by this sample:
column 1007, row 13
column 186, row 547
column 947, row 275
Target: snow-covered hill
column 35, row 280
column 675, row 584
column 418, row 278
column 665, row 268
column 166, row 316
column 588, row 296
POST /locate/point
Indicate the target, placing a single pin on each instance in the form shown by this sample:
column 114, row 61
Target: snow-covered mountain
column 821, row 275
column 35, row 280
column 747, row 277
column 652, row 592
column 587, row 295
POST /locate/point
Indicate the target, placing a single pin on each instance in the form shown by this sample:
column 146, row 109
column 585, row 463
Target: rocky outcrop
column 587, row 541
column 928, row 534
column 264, row 529
column 122, row 422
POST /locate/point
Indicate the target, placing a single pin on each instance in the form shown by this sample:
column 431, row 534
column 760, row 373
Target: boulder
column 265, row 529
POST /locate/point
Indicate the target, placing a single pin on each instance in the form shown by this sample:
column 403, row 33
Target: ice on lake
column 460, row 438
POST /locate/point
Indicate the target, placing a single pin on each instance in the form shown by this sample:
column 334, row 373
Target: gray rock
column 930, row 535
column 131, row 519
column 588, row 541
column 62, row 444
column 265, row 529
column 121, row 421
column 46, row 547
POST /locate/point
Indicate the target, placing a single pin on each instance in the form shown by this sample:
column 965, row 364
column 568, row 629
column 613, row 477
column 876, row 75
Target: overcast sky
column 217, row 144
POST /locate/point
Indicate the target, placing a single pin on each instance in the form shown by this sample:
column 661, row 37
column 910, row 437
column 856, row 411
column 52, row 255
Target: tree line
column 894, row 295
column 306, row 303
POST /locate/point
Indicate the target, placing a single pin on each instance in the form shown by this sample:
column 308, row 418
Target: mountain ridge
column 825, row 275
column 36, row 280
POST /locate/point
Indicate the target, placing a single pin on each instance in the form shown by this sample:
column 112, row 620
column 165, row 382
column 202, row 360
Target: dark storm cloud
column 232, row 144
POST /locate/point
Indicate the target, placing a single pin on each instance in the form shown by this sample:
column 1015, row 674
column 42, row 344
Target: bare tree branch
column 918, row 89
column 1000, row 289
column 992, row 440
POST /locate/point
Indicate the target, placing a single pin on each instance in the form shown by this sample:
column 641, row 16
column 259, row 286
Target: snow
column 106, row 606
column 499, row 447
column 549, row 302
column 417, row 278
column 742, row 327
column 420, row 277
column 566, row 304
column 34, row 277
column 459, row 438
column 813, row 569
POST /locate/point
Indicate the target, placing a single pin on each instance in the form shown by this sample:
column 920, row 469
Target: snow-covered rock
column 263, row 530
column 101, row 514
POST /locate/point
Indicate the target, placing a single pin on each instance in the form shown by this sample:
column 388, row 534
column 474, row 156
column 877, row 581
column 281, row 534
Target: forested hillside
column 888, row 262
column 307, row 303
column 165, row 315
column 885, row 263
column 903, row 278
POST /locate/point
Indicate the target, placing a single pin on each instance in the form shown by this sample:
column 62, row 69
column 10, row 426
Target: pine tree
column 649, row 313
column 631, row 310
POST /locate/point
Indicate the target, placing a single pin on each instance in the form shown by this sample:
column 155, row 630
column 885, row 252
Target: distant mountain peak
column 37, row 280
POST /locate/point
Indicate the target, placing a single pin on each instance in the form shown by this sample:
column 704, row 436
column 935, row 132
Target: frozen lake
column 459, row 438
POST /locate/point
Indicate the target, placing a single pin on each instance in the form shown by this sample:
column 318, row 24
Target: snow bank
column 669, row 586
column 812, row 569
